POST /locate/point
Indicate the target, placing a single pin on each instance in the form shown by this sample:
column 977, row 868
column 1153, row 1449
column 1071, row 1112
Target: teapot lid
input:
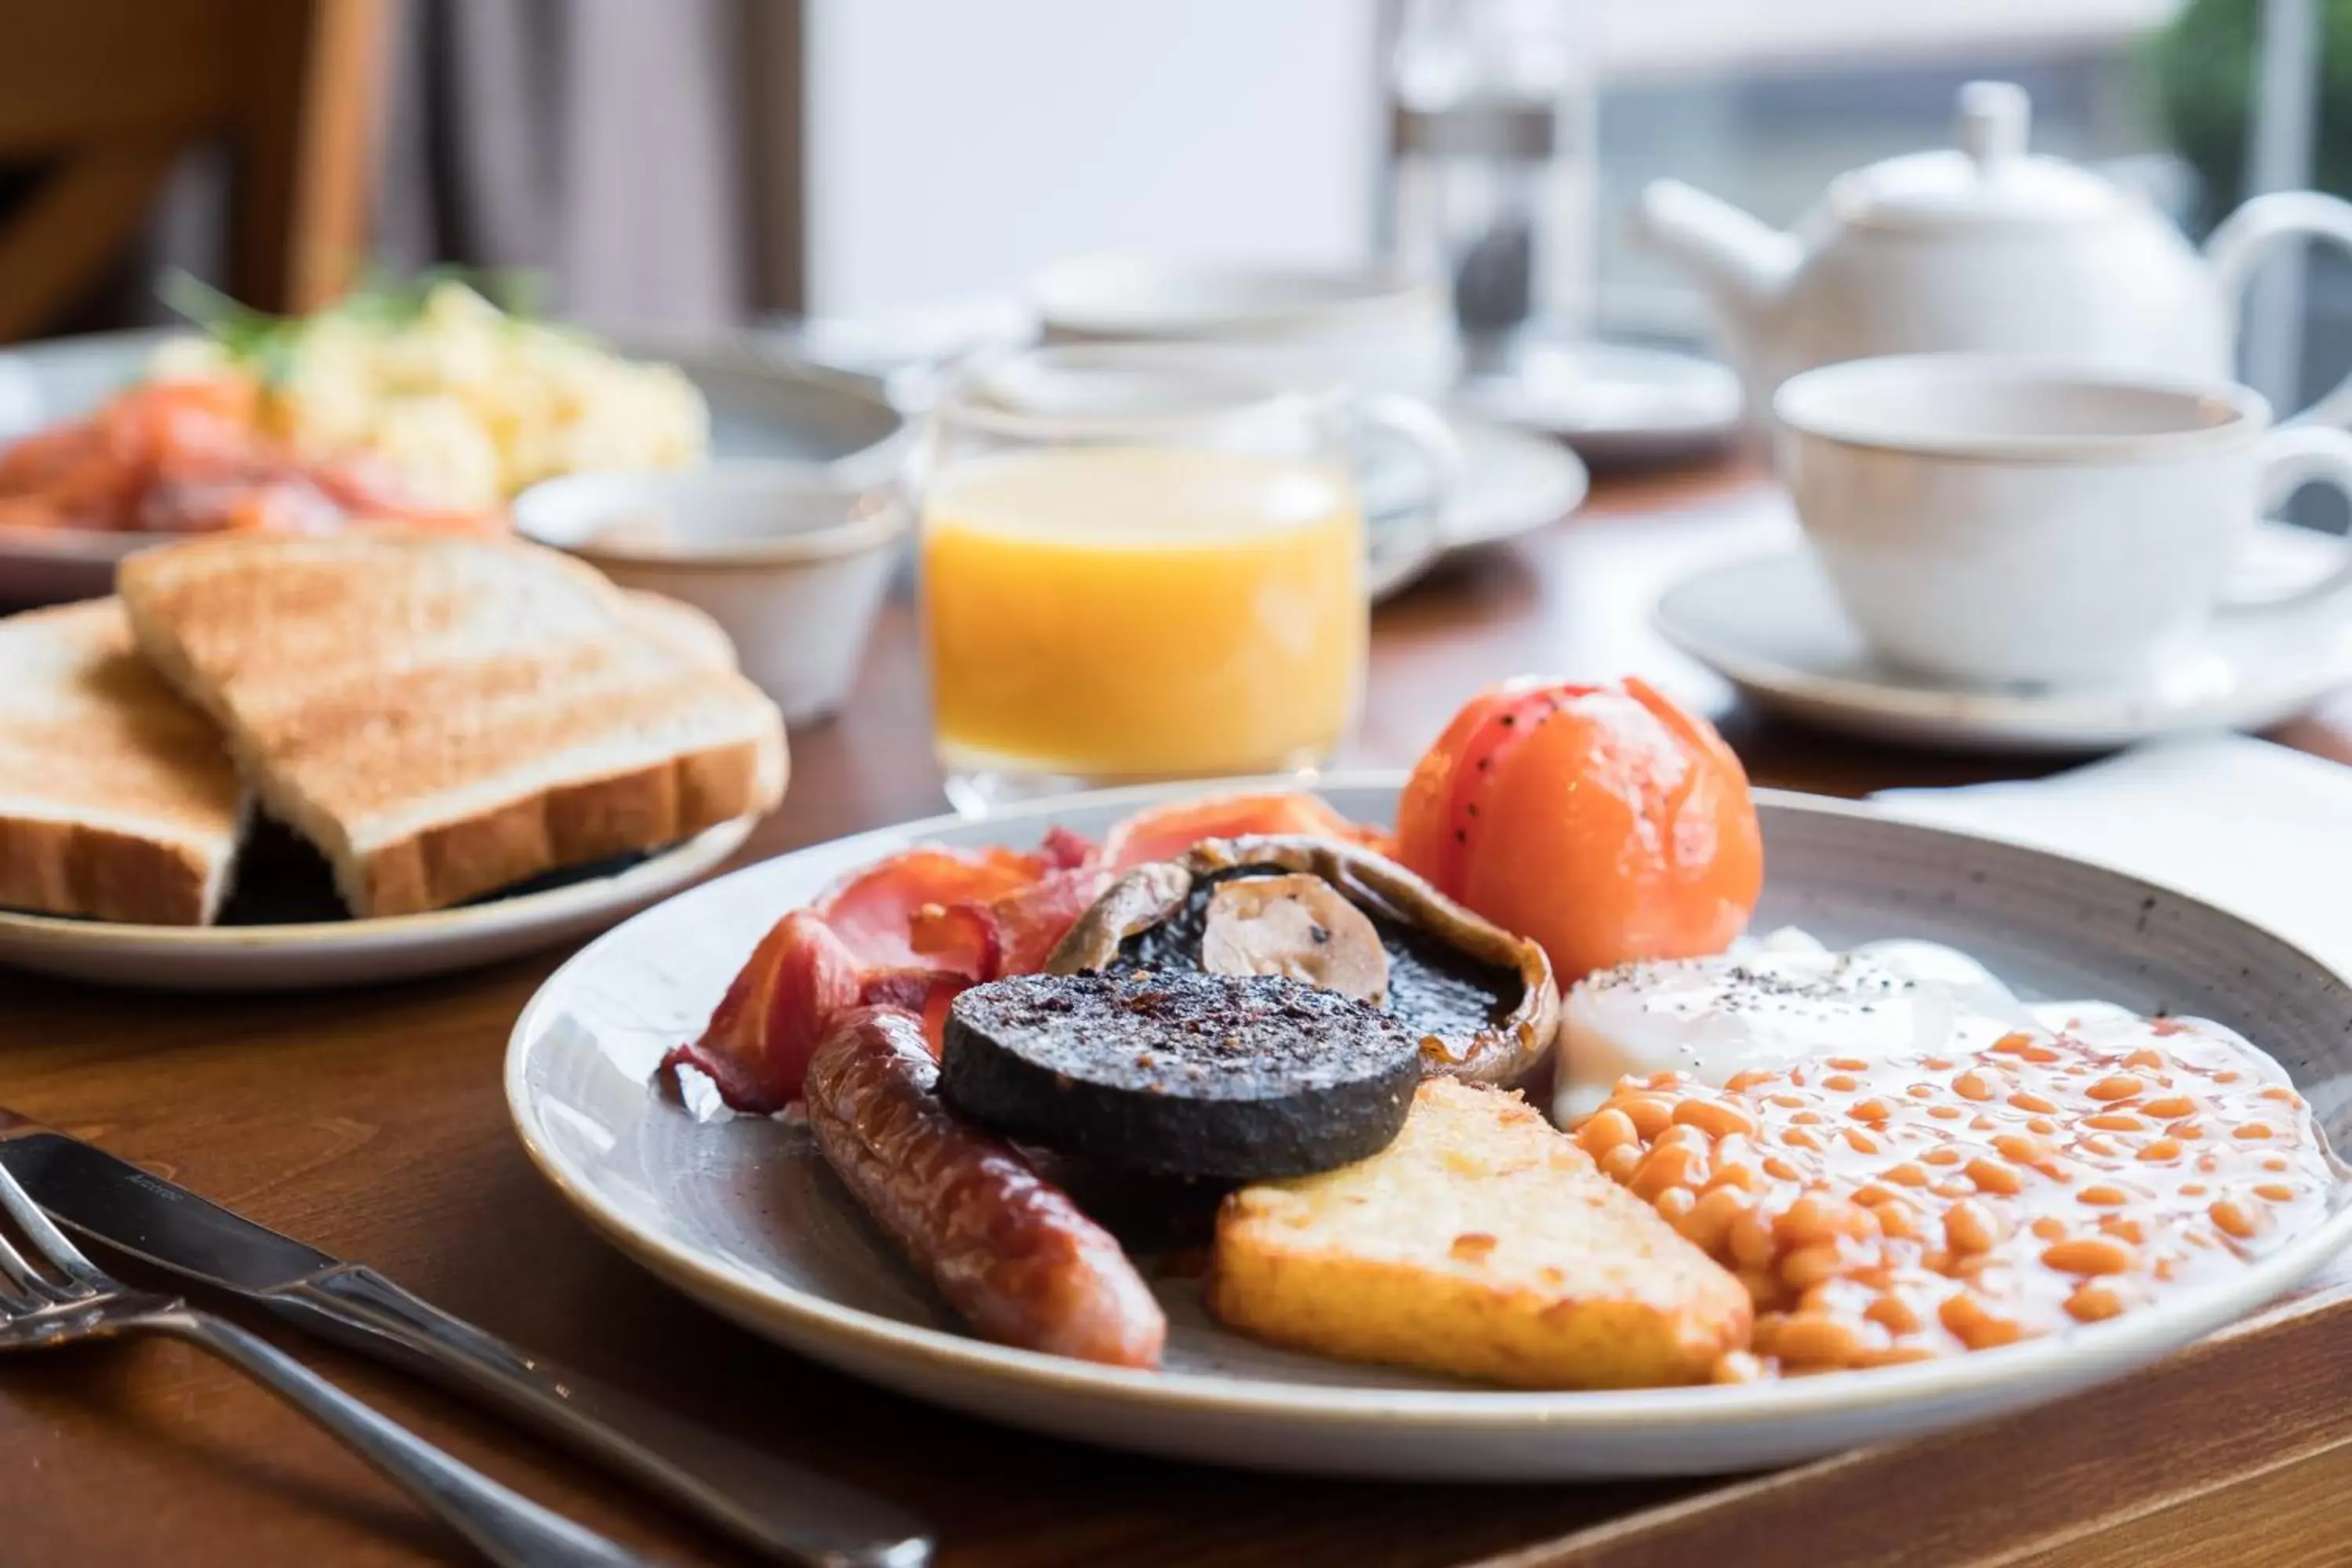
column 1990, row 177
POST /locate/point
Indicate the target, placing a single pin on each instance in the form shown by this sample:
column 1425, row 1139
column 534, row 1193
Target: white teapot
column 1984, row 247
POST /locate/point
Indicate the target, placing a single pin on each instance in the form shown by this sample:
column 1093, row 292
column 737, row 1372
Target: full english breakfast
column 1761, row 1158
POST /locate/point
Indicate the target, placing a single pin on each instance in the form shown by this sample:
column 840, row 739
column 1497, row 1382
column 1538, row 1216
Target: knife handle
column 771, row 1503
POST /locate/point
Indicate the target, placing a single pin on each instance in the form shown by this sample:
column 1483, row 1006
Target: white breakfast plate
column 319, row 953
column 759, row 406
column 1771, row 626
column 741, row 1213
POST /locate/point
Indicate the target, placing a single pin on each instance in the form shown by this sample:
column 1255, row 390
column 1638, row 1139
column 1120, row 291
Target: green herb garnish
column 252, row 338
column 265, row 343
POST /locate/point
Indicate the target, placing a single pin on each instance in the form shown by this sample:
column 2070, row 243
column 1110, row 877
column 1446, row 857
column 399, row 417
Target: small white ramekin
column 790, row 557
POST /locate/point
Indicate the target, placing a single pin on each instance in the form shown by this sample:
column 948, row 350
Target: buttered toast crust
column 1483, row 1242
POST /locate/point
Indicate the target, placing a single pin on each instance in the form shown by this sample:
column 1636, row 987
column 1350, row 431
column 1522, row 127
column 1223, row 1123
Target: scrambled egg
column 471, row 404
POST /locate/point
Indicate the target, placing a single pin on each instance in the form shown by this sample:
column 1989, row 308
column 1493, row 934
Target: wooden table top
column 370, row 1122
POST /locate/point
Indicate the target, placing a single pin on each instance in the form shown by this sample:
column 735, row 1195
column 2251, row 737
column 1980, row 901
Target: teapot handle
column 2249, row 235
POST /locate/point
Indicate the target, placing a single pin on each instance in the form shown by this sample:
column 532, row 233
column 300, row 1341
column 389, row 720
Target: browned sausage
column 1005, row 1246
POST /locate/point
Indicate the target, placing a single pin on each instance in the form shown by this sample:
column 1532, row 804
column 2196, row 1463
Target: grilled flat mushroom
column 1299, row 926
column 1480, row 1000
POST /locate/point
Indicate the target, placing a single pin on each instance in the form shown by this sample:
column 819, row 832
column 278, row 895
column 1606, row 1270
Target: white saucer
column 1771, row 626
column 1512, row 483
column 1614, row 403
column 317, row 953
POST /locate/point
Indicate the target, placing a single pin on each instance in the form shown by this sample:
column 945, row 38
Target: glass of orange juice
column 1138, row 564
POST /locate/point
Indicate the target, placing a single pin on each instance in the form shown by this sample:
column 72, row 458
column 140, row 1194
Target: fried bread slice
column 1484, row 1242
column 444, row 716
column 117, row 798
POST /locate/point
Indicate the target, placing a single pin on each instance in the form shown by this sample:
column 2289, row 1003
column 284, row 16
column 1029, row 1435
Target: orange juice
column 1142, row 611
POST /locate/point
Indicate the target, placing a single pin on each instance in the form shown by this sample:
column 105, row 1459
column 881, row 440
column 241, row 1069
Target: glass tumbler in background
column 1138, row 564
column 1494, row 177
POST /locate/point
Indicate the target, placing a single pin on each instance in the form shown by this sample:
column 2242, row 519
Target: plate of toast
column 1164, row 1185
column 275, row 762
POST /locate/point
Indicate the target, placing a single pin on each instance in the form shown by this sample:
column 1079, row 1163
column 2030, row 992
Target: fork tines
column 23, row 1287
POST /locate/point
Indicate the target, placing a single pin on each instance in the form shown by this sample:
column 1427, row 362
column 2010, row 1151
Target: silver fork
column 37, row 1311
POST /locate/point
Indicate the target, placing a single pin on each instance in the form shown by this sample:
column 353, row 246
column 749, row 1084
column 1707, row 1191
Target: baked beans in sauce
column 1910, row 1206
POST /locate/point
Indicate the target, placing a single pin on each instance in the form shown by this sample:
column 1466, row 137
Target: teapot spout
column 1744, row 264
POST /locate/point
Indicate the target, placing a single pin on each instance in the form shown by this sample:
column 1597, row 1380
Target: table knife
column 770, row 1502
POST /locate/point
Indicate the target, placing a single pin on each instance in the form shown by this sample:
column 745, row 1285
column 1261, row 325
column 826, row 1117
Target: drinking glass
column 1138, row 564
column 1494, row 176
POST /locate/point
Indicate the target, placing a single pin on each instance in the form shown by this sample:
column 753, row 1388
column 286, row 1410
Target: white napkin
column 2254, row 828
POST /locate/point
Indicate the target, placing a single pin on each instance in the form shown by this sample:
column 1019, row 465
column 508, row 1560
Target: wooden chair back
column 100, row 97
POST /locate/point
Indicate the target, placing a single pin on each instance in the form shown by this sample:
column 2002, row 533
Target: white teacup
column 2002, row 519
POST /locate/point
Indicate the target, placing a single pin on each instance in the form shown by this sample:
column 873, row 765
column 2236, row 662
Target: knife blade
column 155, row 1220
column 770, row 1502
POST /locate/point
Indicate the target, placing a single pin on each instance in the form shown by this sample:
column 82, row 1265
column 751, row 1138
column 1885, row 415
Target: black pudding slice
column 1176, row 1072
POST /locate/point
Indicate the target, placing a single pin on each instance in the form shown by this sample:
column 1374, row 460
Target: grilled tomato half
column 1602, row 821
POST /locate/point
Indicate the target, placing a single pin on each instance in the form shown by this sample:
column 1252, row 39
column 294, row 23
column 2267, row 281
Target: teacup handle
column 2293, row 456
column 1424, row 429
column 2260, row 226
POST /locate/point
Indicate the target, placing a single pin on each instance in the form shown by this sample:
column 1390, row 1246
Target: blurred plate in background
column 1512, row 483
column 1613, row 403
column 759, row 406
